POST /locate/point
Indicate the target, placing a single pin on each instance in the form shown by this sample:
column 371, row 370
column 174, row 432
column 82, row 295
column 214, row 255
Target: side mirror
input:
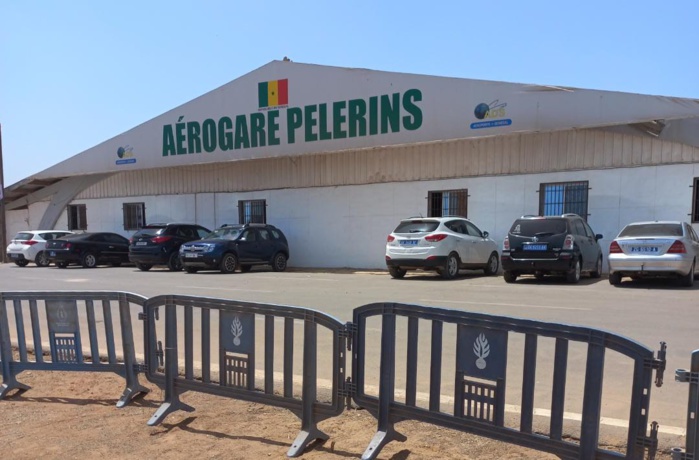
column 598, row 236
column 485, row 234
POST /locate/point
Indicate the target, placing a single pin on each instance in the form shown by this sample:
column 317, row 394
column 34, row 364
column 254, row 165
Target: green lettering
column 168, row 141
column 357, row 117
column 339, row 119
column 242, row 140
column 180, row 138
column 323, row 122
column 193, row 140
column 308, row 112
column 390, row 111
column 409, row 98
column 225, row 136
column 273, row 127
column 209, row 135
column 373, row 115
column 294, row 120
column 257, row 122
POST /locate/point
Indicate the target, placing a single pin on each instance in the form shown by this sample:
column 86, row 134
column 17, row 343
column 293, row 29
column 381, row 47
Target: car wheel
column 597, row 272
column 573, row 276
column 61, row 264
column 509, row 277
column 493, row 264
column 191, row 269
column 42, row 259
column 451, row 267
column 279, row 262
column 21, row 263
column 144, row 267
column 88, row 260
column 245, row 268
column 688, row 279
column 174, row 263
column 396, row 272
column 229, row 263
column 615, row 278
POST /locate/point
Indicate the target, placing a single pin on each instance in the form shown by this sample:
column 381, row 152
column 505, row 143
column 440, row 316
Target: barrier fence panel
column 480, row 371
column 690, row 376
column 248, row 351
column 61, row 331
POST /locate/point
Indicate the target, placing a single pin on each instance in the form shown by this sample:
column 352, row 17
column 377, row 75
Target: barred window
column 252, row 212
column 77, row 217
column 447, row 203
column 134, row 216
column 563, row 198
column 695, row 200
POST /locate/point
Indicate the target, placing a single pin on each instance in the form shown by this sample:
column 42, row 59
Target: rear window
column 651, row 230
column 148, row 232
column 538, row 227
column 416, row 226
column 24, row 236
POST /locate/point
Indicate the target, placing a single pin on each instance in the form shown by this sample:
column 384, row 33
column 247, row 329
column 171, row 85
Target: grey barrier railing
column 227, row 357
column 480, row 375
column 49, row 329
column 690, row 376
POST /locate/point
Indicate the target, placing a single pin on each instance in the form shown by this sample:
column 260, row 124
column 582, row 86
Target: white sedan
column 28, row 246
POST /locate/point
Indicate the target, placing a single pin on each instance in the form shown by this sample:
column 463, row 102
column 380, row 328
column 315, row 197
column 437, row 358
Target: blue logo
column 125, row 155
column 494, row 115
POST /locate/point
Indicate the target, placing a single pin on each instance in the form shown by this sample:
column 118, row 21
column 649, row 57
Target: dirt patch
column 73, row 415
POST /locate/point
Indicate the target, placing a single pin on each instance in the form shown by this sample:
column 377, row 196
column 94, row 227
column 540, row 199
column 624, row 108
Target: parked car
column 654, row 249
column 159, row 244
column 89, row 249
column 551, row 245
column 233, row 246
column 442, row 244
column 29, row 246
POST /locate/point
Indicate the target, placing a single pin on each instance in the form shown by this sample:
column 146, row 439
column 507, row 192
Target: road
column 648, row 312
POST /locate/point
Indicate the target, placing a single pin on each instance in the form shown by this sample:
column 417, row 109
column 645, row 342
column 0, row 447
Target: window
column 77, row 217
column 447, row 203
column 695, row 200
column 563, row 198
column 252, row 212
column 134, row 216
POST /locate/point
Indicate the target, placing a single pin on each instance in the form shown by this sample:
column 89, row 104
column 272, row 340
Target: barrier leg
column 10, row 385
column 133, row 386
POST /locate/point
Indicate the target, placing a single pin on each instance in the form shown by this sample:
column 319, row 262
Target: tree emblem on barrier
column 62, row 314
column 481, row 349
column 236, row 330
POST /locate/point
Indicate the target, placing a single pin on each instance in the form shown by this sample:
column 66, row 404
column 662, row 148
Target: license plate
column 191, row 255
column 534, row 247
column 52, row 254
column 644, row 249
column 141, row 243
column 14, row 256
column 408, row 242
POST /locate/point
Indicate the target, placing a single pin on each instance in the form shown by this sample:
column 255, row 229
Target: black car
column 233, row 246
column 159, row 244
column 551, row 245
column 88, row 249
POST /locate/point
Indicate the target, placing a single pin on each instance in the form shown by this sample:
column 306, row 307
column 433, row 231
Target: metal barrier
column 65, row 318
column 227, row 357
column 690, row 376
column 480, row 377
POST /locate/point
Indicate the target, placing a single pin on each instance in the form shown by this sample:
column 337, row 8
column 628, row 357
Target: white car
column 29, row 246
column 443, row 244
column 655, row 249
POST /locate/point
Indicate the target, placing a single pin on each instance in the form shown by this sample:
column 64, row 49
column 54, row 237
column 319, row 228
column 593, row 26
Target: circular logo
column 120, row 152
column 481, row 110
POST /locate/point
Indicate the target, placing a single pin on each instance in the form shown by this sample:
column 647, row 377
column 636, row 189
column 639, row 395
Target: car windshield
column 225, row 233
column 654, row 229
column 416, row 226
column 538, row 227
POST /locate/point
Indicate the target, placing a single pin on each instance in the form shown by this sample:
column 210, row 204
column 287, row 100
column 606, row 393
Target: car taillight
column 569, row 243
column 29, row 242
column 160, row 239
column 390, row 238
column 677, row 248
column 506, row 244
column 614, row 248
column 435, row 238
column 68, row 245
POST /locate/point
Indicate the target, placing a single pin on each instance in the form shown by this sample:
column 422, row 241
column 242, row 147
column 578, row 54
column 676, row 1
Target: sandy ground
column 73, row 415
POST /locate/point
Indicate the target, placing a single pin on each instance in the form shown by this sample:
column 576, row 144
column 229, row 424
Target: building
column 336, row 156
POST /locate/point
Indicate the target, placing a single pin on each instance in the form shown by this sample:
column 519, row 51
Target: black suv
column 233, row 246
column 159, row 244
column 558, row 245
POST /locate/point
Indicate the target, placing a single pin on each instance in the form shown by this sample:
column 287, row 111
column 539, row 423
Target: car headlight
column 210, row 248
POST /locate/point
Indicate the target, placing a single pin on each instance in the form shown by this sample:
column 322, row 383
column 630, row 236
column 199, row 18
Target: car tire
column 573, row 275
column 229, row 263
column 597, row 272
column 396, row 272
column 88, row 260
column 279, row 262
column 144, row 267
column 61, row 264
column 493, row 264
column 615, row 278
column 191, row 269
column 21, row 263
column 451, row 267
column 509, row 277
column 245, row 268
column 42, row 259
column 174, row 264
column 688, row 279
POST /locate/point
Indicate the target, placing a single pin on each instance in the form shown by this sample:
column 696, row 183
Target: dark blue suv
column 237, row 246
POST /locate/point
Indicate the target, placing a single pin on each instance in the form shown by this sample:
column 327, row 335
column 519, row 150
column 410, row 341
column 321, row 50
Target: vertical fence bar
column 560, row 367
column 133, row 387
column 92, row 332
column 288, row 357
column 188, row 342
column 592, row 399
column 109, row 330
column 528, row 383
column 269, row 354
column 640, row 401
column 21, row 338
column 206, row 345
column 36, row 331
column 436, row 366
column 411, row 365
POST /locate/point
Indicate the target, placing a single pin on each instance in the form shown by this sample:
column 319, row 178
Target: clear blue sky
column 76, row 73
